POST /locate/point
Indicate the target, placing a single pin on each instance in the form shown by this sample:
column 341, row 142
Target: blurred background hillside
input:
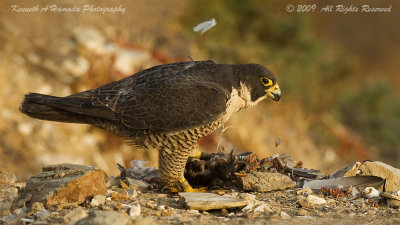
column 338, row 74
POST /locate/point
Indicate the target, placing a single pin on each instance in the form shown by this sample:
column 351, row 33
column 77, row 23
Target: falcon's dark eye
column 266, row 82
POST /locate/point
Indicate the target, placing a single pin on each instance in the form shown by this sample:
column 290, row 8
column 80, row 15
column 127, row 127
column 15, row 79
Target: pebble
column 302, row 212
column 42, row 214
column 193, row 211
column 304, row 191
column 9, row 219
column 208, row 201
column 104, row 218
column 135, row 210
column 132, row 193
column 98, row 200
column 284, row 215
column 248, row 208
column 360, row 203
column 167, row 213
column 7, row 177
column 224, row 211
column 246, row 196
column 311, row 201
column 119, row 194
column 151, row 205
column 75, row 215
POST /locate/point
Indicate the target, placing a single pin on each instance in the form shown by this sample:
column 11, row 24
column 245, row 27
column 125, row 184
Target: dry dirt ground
column 34, row 53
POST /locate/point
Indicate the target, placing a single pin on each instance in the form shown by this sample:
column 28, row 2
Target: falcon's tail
column 42, row 107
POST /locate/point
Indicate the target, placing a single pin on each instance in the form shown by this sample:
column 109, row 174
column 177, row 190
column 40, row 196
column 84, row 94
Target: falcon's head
column 261, row 83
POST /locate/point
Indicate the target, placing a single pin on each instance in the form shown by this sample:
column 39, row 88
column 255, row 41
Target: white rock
column 247, row 196
column 371, row 192
column 94, row 203
column 98, row 200
column 193, row 211
column 128, row 60
column 90, row 38
column 248, row 208
column 355, row 192
column 132, row 193
column 28, row 220
column 284, row 215
column 311, row 201
column 261, row 208
column 304, row 190
column 135, row 210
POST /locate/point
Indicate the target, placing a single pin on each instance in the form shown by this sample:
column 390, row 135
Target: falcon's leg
column 171, row 163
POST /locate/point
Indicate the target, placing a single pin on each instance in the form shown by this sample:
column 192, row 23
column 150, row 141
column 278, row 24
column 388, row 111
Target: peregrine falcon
column 167, row 107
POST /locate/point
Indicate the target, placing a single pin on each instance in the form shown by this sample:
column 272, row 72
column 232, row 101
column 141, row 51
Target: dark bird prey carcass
column 167, row 107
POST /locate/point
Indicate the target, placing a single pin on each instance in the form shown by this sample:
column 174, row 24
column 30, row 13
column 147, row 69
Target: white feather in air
column 205, row 26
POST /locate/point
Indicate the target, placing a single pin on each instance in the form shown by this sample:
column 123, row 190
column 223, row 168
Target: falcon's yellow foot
column 183, row 185
column 195, row 154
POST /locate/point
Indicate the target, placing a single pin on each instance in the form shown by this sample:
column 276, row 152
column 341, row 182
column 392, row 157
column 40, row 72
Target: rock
column 262, row 208
column 247, row 196
column 193, row 211
column 28, row 220
column 264, row 182
column 78, row 66
column 7, row 195
column 170, row 213
column 90, row 38
column 9, row 219
column 98, row 200
column 104, row 218
column 73, row 216
column 65, row 183
column 151, row 205
column 208, row 201
column 330, row 201
column 132, row 193
column 118, row 194
column 137, row 184
column 248, row 208
column 359, row 203
column 256, row 207
column 128, row 60
column 284, row 215
column 393, row 199
column 42, row 214
column 393, row 203
column 304, row 191
column 380, row 169
column 349, row 171
column 135, row 210
column 6, row 177
column 37, row 206
column 302, row 212
column 311, row 201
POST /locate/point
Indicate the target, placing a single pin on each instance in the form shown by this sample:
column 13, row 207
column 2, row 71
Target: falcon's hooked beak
column 274, row 92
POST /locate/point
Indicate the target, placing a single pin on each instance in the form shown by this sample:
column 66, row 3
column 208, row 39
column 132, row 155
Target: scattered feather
column 371, row 192
column 205, row 26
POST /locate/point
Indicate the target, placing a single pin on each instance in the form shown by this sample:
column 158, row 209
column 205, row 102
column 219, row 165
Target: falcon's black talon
column 168, row 107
